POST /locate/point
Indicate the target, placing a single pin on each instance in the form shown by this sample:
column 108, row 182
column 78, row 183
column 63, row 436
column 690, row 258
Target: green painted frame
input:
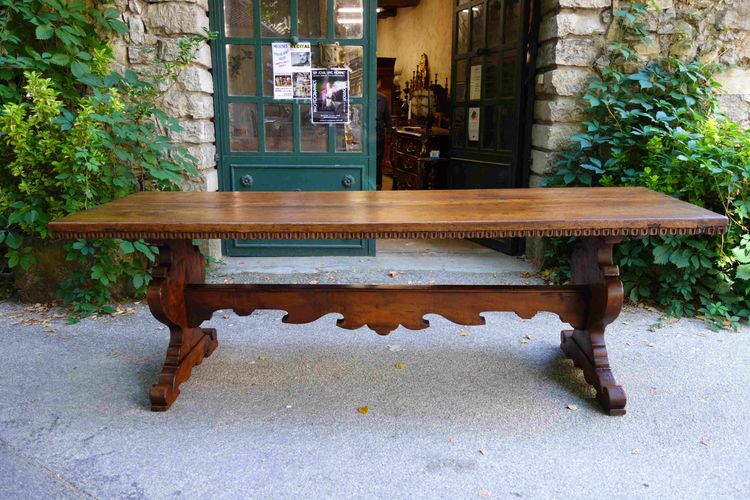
column 229, row 162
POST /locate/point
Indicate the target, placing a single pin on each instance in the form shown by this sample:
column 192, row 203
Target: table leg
column 592, row 265
column 180, row 264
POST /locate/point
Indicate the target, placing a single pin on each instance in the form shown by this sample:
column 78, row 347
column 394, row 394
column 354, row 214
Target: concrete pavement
column 475, row 412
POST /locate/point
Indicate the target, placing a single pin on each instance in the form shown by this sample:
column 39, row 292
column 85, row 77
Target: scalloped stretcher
column 179, row 297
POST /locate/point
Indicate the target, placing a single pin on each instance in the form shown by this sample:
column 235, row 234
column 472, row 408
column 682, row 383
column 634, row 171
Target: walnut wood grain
column 180, row 264
column 485, row 213
column 592, row 265
column 384, row 307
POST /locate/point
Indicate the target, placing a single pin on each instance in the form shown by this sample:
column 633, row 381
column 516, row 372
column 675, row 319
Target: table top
column 480, row 213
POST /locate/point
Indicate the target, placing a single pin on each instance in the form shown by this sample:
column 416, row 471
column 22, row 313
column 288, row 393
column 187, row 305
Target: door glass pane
column 512, row 22
column 507, row 125
column 491, row 75
column 494, row 28
column 238, row 18
column 353, row 58
column 312, row 18
column 267, row 71
column 243, row 126
column 275, row 18
column 508, row 74
column 462, row 39
column 477, row 27
column 489, row 128
column 278, row 127
column 349, row 18
column 458, row 135
column 460, row 80
column 240, row 70
column 313, row 138
column 349, row 136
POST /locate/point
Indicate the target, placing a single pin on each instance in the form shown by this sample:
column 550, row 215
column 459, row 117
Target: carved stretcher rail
column 384, row 308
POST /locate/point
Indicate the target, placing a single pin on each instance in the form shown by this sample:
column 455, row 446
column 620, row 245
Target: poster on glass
column 330, row 95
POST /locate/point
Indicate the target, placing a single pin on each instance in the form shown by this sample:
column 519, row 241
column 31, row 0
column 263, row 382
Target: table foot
column 589, row 353
column 199, row 343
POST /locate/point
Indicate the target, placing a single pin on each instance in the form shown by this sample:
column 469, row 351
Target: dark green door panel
column 267, row 144
column 297, row 178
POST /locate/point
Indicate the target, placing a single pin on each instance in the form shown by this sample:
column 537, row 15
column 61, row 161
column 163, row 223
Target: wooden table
column 179, row 297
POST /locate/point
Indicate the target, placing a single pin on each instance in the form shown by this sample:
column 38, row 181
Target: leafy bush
column 74, row 134
column 656, row 125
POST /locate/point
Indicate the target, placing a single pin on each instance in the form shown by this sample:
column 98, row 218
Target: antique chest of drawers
column 410, row 157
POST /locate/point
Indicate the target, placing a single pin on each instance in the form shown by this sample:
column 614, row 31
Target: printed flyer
column 291, row 70
column 330, row 95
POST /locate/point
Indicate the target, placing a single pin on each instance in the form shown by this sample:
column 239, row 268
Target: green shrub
column 74, row 134
column 656, row 125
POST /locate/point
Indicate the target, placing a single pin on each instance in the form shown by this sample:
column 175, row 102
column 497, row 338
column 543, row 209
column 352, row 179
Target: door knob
column 247, row 181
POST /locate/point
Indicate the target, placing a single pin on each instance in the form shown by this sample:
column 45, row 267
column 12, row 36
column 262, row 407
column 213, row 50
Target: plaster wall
column 424, row 29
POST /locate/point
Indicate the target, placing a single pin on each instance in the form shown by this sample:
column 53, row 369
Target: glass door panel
column 265, row 143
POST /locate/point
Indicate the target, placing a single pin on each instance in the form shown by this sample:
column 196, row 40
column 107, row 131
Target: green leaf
column 743, row 272
column 44, row 32
column 127, row 247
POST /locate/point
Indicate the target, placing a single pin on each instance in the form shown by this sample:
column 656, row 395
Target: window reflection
column 349, row 136
column 349, row 18
column 240, row 70
column 278, row 127
column 243, row 126
column 275, row 18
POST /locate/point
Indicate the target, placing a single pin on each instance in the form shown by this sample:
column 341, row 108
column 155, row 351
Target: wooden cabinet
column 410, row 157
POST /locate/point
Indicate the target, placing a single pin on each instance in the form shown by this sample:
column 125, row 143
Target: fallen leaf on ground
column 226, row 316
column 263, row 358
column 485, row 493
column 526, row 339
column 463, row 333
column 572, row 407
column 399, row 366
column 482, row 451
column 364, row 410
column 392, row 274
column 229, row 282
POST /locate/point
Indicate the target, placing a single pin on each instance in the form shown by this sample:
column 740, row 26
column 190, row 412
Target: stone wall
column 572, row 38
column 156, row 26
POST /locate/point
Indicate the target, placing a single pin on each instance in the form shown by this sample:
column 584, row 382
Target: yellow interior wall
column 426, row 28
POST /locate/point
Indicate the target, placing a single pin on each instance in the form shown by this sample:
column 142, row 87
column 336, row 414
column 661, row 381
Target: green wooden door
column 268, row 144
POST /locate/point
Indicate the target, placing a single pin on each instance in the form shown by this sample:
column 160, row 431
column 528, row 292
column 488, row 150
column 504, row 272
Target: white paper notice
column 291, row 70
column 282, row 71
column 475, row 85
column 473, row 129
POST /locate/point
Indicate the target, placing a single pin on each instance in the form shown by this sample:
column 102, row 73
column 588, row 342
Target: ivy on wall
column 74, row 134
column 656, row 124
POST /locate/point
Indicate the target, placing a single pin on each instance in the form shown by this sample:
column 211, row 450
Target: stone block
column 543, row 162
column 735, row 81
column 565, row 82
column 175, row 18
column 580, row 52
column 568, row 22
column 559, row 109
column 194, row 132
column 736, row 18
column 137, row 31
column 553, row 137
column 205, row 155
column 550, row 5
column 196, row 79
